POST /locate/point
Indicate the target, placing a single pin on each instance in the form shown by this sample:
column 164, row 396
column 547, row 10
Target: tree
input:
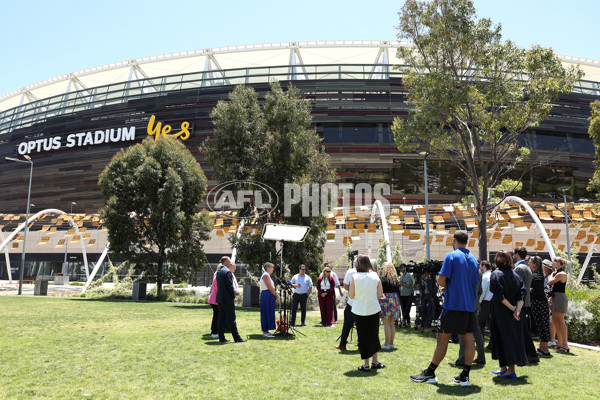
column 472, row 94
column 152, row 192
column 273, row 144
column 594, row 131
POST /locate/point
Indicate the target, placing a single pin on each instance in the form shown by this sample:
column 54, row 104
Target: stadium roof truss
column 122, row 81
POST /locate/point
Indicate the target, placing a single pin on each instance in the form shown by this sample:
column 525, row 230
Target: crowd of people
column 521, row 299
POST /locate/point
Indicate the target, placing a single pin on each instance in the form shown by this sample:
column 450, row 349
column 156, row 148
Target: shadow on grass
column 355, row 373
column 350, row 352
column 217, row 343
column 521, row 380
column 258, row 336
column 473, row 367
column 109, row 300
column 454, row 390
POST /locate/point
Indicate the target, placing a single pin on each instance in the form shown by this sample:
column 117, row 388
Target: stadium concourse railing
column 122, row 92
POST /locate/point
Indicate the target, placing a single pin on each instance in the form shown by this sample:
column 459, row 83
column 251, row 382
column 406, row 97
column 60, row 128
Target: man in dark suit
column 225, row 297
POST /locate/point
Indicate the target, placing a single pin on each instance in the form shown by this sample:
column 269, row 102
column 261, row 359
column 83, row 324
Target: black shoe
column 241, row 341
column 303, row 324
column 424, row 378
column 533, row 360
column 456, row 364
column 478, row 361
column 224, row 340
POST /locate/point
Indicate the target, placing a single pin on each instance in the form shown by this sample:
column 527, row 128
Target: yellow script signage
column 158, row 130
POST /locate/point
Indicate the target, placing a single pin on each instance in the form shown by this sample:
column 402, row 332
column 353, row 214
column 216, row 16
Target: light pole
column 67, row 242
column 564, row 189
column 427, row 245
column 30, row 162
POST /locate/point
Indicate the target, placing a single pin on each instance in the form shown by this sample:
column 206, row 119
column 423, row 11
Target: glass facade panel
column 551, row 142
column 582, row 145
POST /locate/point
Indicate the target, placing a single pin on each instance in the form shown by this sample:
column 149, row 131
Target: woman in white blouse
column 268, row 295
column 365, row 289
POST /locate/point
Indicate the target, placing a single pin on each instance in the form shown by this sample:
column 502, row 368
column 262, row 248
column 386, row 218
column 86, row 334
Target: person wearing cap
column 539, row 305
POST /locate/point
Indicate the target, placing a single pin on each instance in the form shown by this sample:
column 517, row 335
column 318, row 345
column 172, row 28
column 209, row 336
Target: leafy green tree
column 272, row 143
column 472, row 93
column 594, row 131
column 152, row 192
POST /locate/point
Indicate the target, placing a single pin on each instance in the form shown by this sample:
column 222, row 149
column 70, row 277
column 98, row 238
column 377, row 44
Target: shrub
column 583, row 321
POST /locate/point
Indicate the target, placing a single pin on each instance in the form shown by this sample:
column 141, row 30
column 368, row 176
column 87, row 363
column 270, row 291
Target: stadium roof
column 295, row 54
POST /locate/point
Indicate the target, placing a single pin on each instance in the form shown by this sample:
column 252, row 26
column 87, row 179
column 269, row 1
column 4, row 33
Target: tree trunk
column 482, row 222
column 159, row 275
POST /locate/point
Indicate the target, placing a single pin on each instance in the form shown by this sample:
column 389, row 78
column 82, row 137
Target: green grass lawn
column 64, row 348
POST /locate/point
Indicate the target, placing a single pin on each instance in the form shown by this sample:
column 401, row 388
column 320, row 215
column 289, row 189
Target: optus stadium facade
column 73, row 124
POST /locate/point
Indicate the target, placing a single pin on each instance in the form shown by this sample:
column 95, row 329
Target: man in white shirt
column 485, row 299
column 348, row 316
column 302, row 288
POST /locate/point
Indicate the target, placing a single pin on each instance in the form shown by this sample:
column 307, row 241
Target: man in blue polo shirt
column 459, row 277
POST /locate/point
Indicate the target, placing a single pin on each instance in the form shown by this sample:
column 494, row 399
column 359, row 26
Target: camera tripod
column 283, row 327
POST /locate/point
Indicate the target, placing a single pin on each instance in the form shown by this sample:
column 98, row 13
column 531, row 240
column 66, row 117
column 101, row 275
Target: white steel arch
column 96, row 268
column 33, row 218
column 377, row 206
column 7, row 258
column 535, row 219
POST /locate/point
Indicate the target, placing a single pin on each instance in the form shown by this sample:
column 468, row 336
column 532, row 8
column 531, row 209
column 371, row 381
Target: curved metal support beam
column 83, row 252
column 7, row 258
column 377, row 206
column 33, row 218
column 96, row 268
column 585, row 263
column 24, row 224
column 535, row 219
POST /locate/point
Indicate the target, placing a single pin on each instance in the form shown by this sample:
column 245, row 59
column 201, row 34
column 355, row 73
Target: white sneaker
column 215, row 336
column 268, row 335
column 461, row 381
column 551, row 344
column 385, row 347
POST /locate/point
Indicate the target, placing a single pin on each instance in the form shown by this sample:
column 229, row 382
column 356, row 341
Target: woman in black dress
column 506, row 339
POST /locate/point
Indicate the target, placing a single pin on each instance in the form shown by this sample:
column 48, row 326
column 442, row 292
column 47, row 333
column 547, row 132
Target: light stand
column 427, row 246
column 65, row 269
column 28, row 160
column 282, row 233
column 564, row 189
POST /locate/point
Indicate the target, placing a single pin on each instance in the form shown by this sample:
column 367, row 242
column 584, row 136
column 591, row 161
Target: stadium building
column 72, row 125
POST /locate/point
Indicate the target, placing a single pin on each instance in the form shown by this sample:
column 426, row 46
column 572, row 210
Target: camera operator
column 459, row 276
column 406, row 295
column 302, row 288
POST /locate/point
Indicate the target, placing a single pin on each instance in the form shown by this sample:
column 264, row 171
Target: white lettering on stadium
column 78, row 140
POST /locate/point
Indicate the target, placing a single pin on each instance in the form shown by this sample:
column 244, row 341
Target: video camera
column 351, row 255
column 431, row 267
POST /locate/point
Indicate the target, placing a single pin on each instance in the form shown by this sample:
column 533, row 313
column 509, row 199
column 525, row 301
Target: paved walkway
column 7, row 288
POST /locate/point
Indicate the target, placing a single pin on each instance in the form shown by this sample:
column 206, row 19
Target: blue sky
column 43, row 39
